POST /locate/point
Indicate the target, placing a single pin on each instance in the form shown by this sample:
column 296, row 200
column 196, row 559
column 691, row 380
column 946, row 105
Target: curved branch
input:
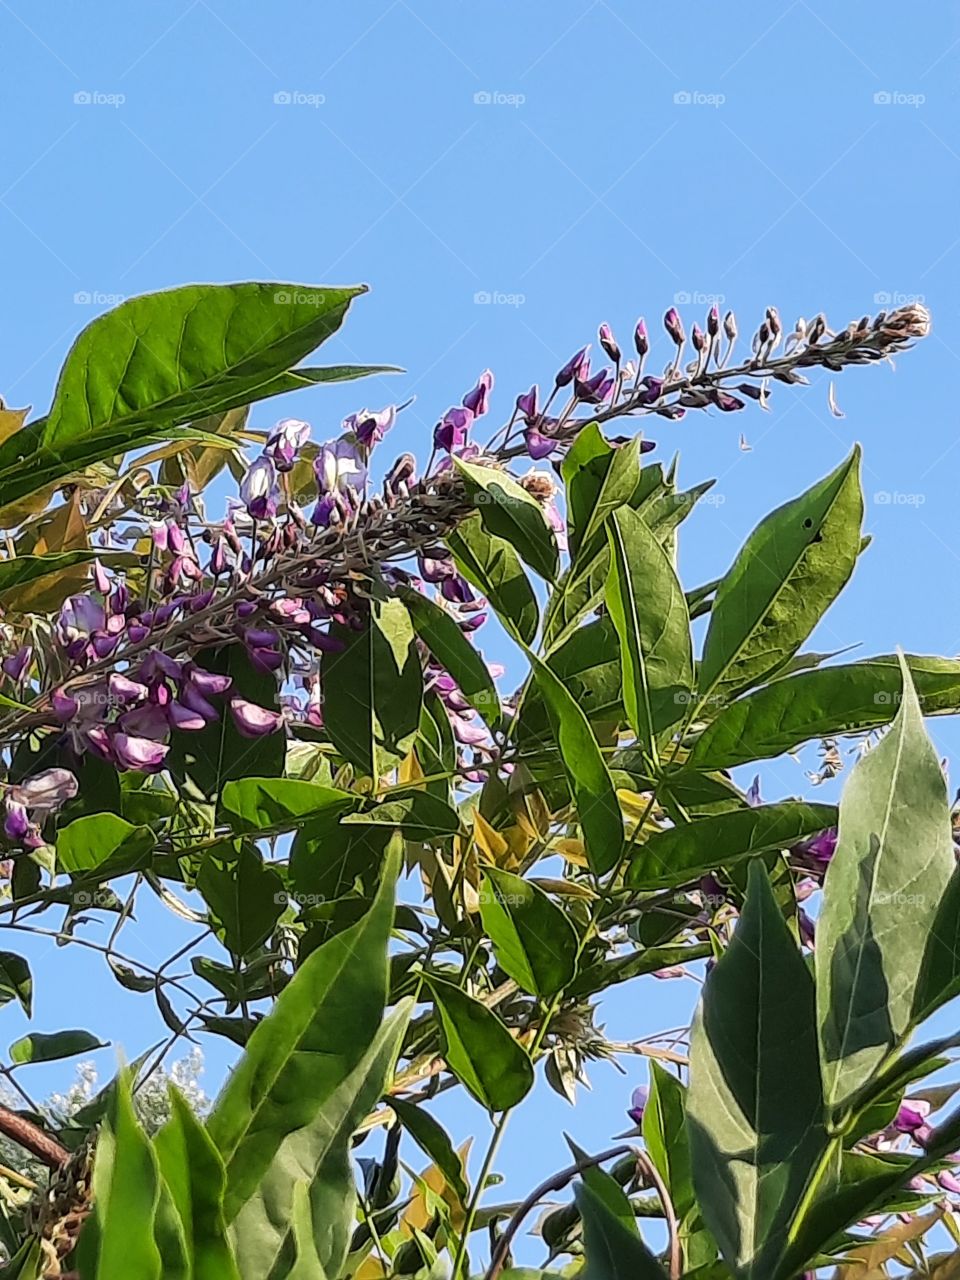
column 40, row 1145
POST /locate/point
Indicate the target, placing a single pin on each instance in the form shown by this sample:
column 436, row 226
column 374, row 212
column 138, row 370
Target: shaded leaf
column 451, row 648
column 494, row 568
column 612, row 1251
column 507, row 511
column 533, row 940
column 41, row 1047
column 480, row 1050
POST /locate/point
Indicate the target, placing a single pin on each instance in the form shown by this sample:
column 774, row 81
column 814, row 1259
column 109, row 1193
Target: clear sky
column 506, row 175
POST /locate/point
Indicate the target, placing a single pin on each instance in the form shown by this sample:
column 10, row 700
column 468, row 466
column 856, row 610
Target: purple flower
column 340, row 468
column 641, row 339
column 596, row 389
column 17, row 663
column 259, row 490
column 44, row 793
column 370, row 426
column 140, row 754
column 653, row 389
column 435, row 569
column 674, row 326
column 912, row 1116
column 538, row 445
column 477, row 399
column 451, row 431
column 207, row 682
column 80, row 616
column 724, row 400
column 753, row 793
column 574, row 368
column 527, row 403
column 16, row 824
column 285, row 442
column 638, row 1101
column 609, row 343
column 820, row 847
column 949, row 1182
column 253, row 721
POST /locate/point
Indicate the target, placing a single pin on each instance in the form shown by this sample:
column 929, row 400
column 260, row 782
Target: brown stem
column 555, row 1183
column 46, row 1149
column 650, row 1169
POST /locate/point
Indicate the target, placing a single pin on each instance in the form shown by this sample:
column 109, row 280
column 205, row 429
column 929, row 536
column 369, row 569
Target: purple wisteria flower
column 341, row 477
column 370, row 426
column 451, row 431
column 609, row 343
column 574, row 367
column 820, row 848
column 477, row 400
column 527, row 404
column 638, row 1102
column 260, row 490
column 16, row 665
column 28, row 804
column 252, row 720
column 285, row 442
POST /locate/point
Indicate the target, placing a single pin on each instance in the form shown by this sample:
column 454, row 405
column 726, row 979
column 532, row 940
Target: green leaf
column 480, row 1050
column 245, row 896
column 102, row 843
column 588, row 664
column 939, row 979
column 306, row 1264
column 41, row 1047
column 787, row 574
column 665, row 1137
column 893, row 861
column 451, row 648
column 317, row 1033
column 507, row 511
column 434, row 1141
column 599, row 478
column 17, row 573
column 257, row 805
column 372, row 689
column 195, row 1178
column 605, row 1187
column 685, row 852
column 419, row 815
column 16, row 981
column 126, row 1188
column 261, row 1232
column 849, row 698
column 649, row 611
column 754, row 1106
column 216, row 755
column 494, row 568
column 534, row 942
column 612, row 1251
column 172, row 357
column 596, row 800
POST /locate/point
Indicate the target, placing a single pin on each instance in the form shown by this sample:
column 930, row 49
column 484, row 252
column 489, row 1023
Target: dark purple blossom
column 369, row 425
column 573, row 368
column 252, row 720
column 451, row 431
column 609, row 343
column 477, row 400
column 259, row 489
column 285, row 442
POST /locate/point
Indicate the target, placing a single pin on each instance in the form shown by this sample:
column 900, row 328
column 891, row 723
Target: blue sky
column 505, row 176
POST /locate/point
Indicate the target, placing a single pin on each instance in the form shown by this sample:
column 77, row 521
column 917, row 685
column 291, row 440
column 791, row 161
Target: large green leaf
column 599, row 478
column 612, row 1251
column 126, row 1188
column 533, row 940
column 788, row 572
column 893, row 861
column 207, row 760
column 754, row 1106
column 372, row 689
column 318, row 1153
column 451, row 648
column 419, row 815
column 494, row 568
column 480, row 1050
column 434, row 1141
column 39, row 1046
column 649, row 611
column 278, row 804
column 939, row 979
column 685, row 852
column 16, row 981
column 103, row 843
column 245, row 896
column 172, row 357
column 317, row 1033
column 193, row 1174
column 588, row 663
column 597, row 806
column 822, row 704
column 509, row 512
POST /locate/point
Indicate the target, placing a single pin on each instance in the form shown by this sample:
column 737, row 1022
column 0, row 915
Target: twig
column 46, row 1149
column 555, row 1183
